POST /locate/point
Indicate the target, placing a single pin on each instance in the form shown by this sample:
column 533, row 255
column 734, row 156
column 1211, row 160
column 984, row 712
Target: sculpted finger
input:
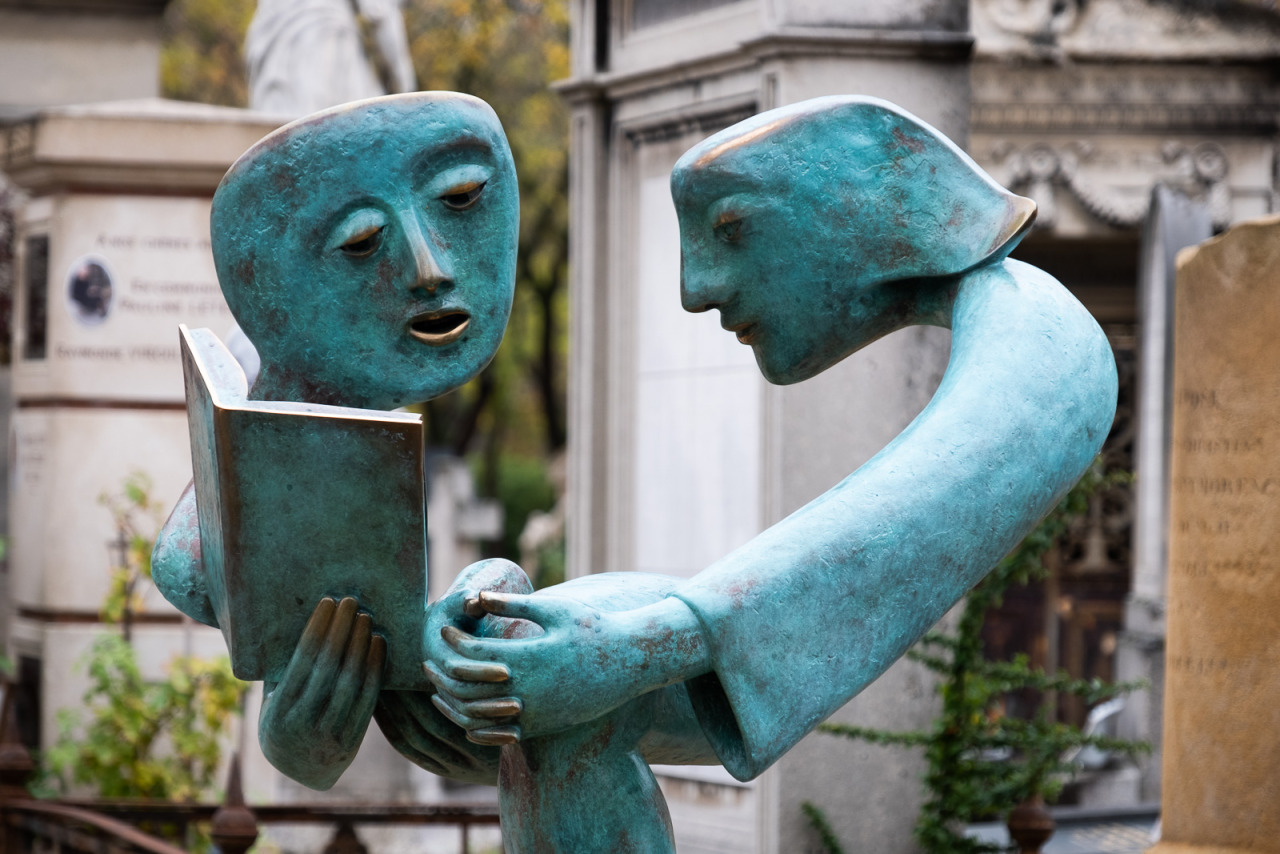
column 503, row 707
column 541, row 610
column 349, row 683
column 344, row 620
column 471, row 680
column 367, row 696
column 400, row 731
column 460, row 718
column 497, row 735
column 469, row 645
column 377, row 660
column 304, row 656
column 319, row 692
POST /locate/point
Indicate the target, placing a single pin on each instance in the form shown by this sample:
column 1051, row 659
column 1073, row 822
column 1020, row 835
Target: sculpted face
column 369, row 251
column 817, row 228
column 765, row 250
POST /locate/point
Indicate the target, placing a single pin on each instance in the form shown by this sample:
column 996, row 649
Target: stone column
column 1221, row 789
column 112, row 254
column 1174, row 222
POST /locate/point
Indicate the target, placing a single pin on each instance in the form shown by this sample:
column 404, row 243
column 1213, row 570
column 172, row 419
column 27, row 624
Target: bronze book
column 300, row 501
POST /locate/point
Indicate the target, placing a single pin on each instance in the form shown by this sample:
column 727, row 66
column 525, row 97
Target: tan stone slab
column 1221, row 780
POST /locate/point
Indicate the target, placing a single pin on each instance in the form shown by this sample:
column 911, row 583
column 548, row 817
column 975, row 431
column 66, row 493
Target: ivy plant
column 135, row 737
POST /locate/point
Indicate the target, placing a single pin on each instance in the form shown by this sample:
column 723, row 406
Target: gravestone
column 1221, row 792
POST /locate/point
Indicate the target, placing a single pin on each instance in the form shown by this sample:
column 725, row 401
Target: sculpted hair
column 912, row 201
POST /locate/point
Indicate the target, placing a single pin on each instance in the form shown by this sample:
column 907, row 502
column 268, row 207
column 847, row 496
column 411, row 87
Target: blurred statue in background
column 306, row 55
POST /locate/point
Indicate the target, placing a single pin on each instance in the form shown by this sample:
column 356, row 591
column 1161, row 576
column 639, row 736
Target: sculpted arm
column 175, row 562
column 585, row 663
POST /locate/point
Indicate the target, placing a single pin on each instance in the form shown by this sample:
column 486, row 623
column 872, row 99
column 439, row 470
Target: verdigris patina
column 368, row 251
column 814, row 229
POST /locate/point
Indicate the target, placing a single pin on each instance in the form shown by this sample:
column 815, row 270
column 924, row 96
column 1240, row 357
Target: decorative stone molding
column 1042, row 169
column 688, row 122
column 1089, row 99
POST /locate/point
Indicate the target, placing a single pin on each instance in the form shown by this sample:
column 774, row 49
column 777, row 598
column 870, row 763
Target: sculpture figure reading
column 369, row 253
column 346, row 243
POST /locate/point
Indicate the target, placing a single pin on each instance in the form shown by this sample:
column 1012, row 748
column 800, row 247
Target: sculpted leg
column 587, row 789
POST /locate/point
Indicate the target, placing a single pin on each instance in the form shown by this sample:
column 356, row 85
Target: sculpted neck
column 274, row 383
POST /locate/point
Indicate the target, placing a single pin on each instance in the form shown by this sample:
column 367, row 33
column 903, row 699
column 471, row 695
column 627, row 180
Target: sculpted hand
column 428, row 739
column 314, row 719
column 478, row 681
column 587, row 663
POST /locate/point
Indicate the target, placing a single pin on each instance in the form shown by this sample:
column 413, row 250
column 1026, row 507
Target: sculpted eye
column 463, row 196
column 364, row 243
column 728, row 228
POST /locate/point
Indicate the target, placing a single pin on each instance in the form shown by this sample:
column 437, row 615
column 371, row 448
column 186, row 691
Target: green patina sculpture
column 369, row 253
column 814, row 229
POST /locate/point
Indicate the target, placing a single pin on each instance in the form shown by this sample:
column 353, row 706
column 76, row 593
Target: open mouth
column 746, row 332
column 438, row 328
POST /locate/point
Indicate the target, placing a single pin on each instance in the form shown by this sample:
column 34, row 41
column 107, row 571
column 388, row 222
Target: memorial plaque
column 107, row 291
column 1221, row 789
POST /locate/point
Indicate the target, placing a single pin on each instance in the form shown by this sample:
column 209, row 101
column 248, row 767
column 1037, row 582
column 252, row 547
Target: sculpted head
column 815, row 228
column 369, row 251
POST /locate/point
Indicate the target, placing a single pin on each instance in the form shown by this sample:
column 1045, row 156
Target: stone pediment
column 1134, row 30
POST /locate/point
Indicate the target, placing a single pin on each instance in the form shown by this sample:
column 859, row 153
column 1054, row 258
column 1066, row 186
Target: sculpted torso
column 813, row 229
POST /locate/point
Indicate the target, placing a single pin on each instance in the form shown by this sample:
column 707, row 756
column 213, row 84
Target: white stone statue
column 306, row 55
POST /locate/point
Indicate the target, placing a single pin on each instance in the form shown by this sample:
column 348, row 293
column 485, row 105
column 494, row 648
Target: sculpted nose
column 698, row 290
column 428, row 259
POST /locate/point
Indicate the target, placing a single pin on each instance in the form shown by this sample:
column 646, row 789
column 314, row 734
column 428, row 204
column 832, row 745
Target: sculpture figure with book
column 368, row 251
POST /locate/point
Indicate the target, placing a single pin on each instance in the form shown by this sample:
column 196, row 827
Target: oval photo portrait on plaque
column 89, row 290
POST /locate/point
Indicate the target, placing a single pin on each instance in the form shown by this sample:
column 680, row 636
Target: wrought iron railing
column 83, row 826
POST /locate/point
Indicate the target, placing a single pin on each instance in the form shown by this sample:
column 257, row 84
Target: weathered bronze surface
column 813, row 229
column 272, row 546
column 368, row 251
column 369, row 280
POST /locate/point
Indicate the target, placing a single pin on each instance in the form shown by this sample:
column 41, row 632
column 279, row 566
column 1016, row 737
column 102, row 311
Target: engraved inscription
column 1220, row 445
column 1247, row 567
column 1228, row 485
column 1208, row 527
column 1198, row 665
column 1199, row 398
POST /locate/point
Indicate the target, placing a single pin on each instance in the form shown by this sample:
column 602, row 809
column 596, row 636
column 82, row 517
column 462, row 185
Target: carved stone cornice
column 1096, row 137
column 704, row 121
column 1128, row 118
column 1124, row 98
column 1066, row 31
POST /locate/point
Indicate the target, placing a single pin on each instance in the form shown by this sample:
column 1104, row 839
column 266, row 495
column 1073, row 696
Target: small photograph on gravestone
column 89, row 287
